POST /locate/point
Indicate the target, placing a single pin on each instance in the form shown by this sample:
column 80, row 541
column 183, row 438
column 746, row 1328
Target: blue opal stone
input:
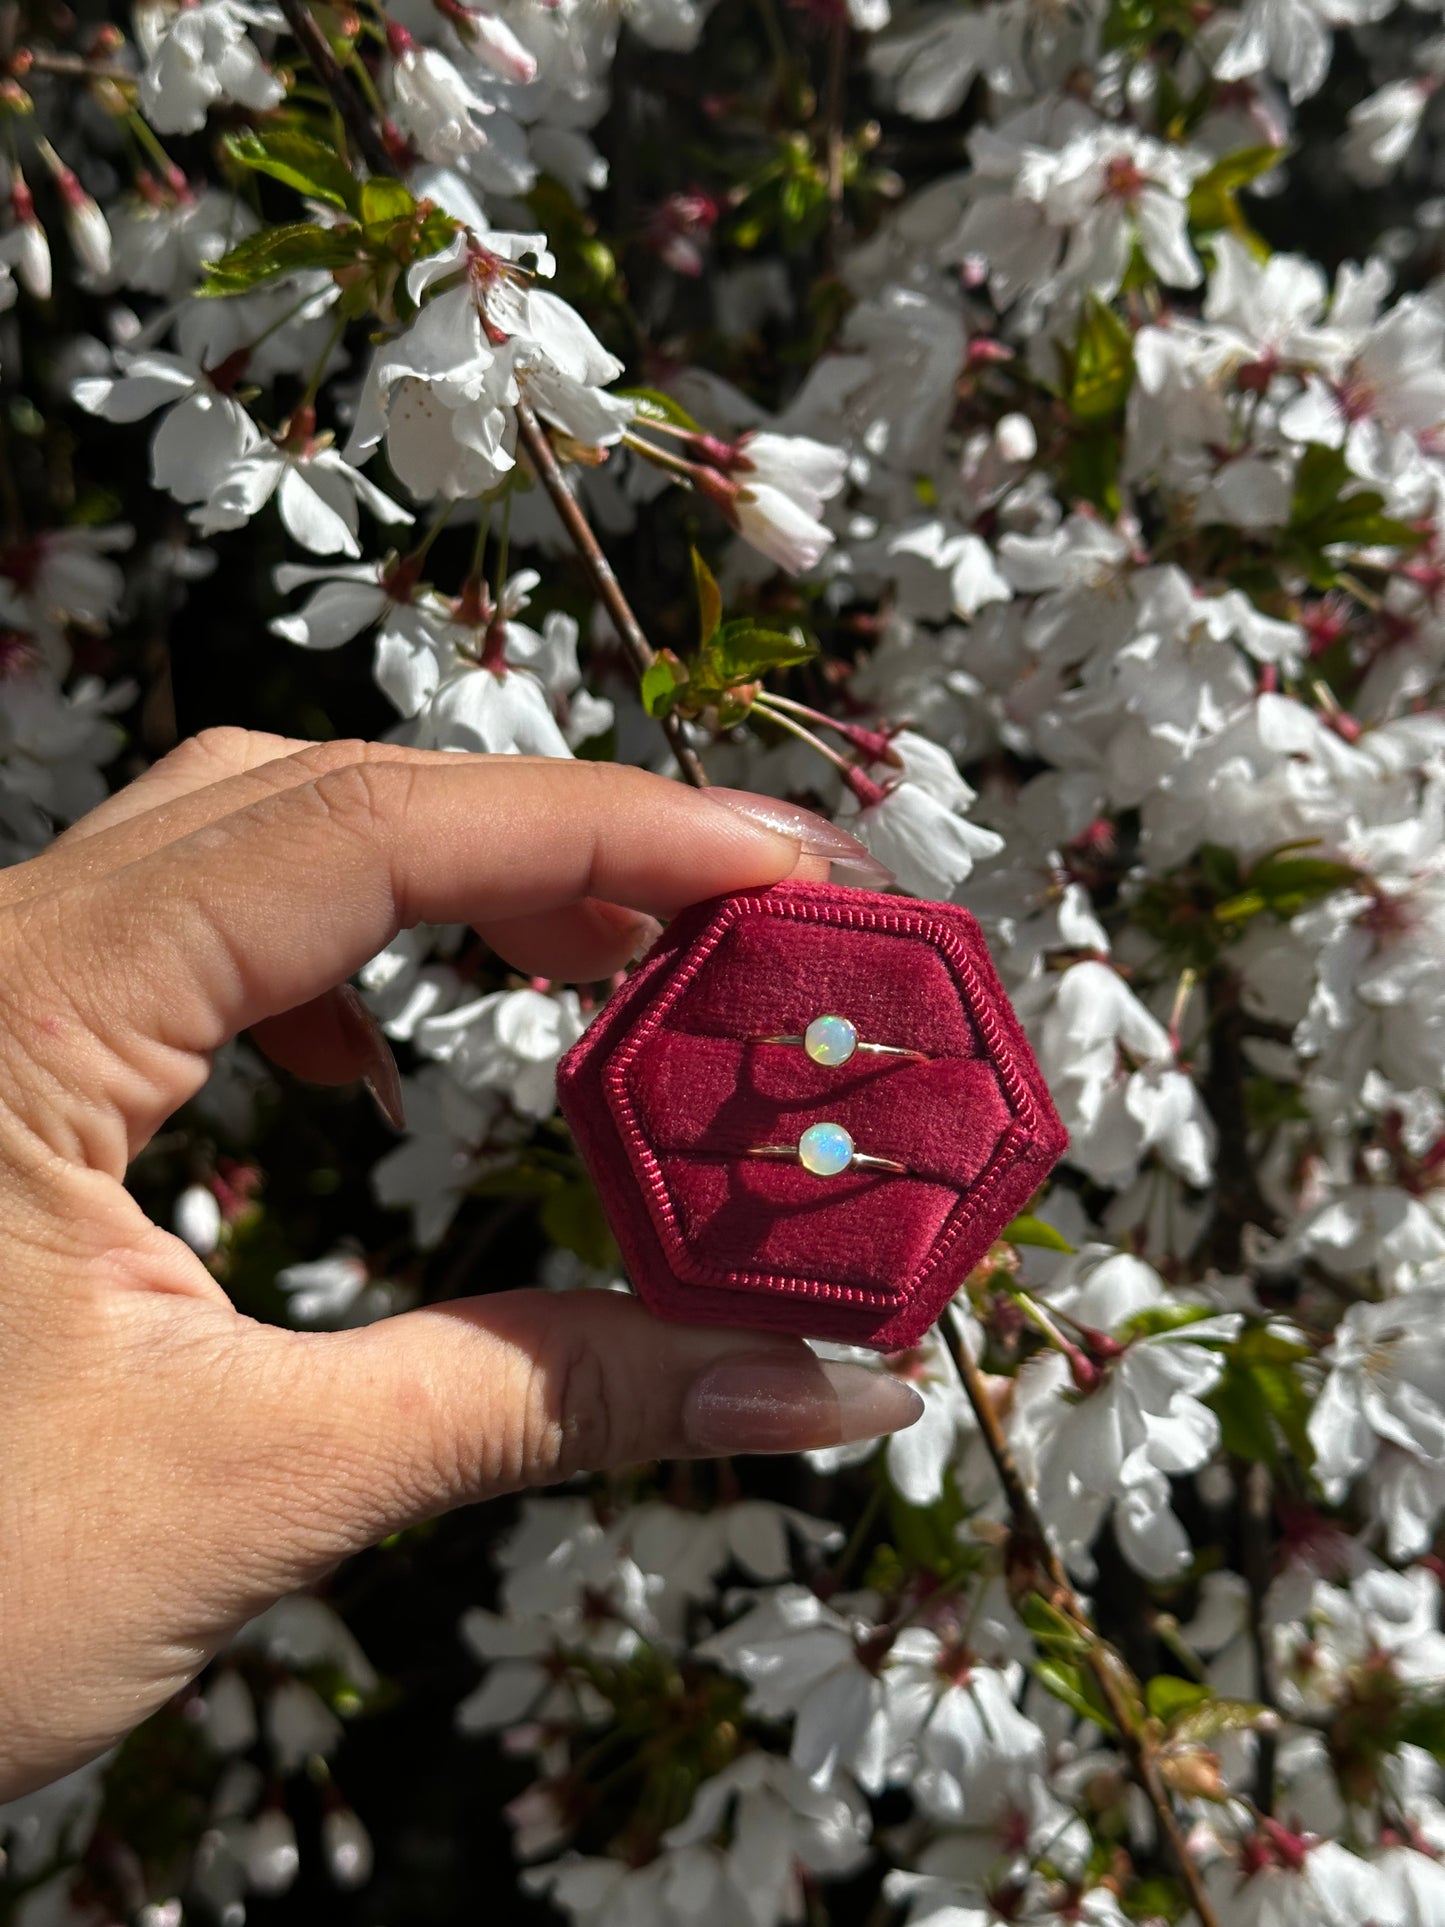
column 830, row 1040
column 825, row 1150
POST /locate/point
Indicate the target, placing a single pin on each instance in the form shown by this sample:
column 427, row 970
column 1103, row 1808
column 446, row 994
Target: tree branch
column 347, row 100
column 359, row 124
column 533, row 438
column 1238, row 1199
column 1117, row 1685
column 62, row 66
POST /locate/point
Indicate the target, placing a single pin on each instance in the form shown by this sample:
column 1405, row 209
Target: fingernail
column 814, row 835
column 758, row 1402
column 379, row 1075
column 648, row 931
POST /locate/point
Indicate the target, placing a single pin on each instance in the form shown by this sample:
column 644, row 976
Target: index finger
column 162, row 961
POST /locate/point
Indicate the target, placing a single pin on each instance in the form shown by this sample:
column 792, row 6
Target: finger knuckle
column 583, row 1429
column 220, row 750
column 356, row 797
column 319, row 759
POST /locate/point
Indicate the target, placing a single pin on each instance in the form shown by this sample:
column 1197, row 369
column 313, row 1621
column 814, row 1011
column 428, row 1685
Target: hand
column 171, row 1467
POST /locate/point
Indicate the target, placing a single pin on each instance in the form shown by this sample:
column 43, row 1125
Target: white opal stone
column 830, row 1040
column 825, row 1150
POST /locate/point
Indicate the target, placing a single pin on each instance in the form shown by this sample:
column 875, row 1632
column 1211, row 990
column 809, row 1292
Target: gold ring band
column 831, row 1040
column 827, row 1150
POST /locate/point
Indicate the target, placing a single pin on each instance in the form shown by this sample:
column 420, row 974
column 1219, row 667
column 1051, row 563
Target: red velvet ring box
column 671, row 1087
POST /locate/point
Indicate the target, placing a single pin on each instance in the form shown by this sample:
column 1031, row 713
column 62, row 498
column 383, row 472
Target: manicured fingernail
column 648, row 931
column 814, row 835
column 379, row 1076
column 758, row 1402
column 861, row 873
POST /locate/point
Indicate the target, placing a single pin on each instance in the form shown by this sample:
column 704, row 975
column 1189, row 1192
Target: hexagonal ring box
column 692, row 1091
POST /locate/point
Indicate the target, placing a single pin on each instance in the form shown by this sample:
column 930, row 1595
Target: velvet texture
column 671, row 1086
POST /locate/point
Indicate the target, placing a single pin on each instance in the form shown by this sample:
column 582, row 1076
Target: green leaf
column 1137, row 25
column 1289, row 1404
column 1318, row 479
column 1155, row 1899
column 436, row 231
column 276, row 251
column 741, row 652
column 927, row 1537
column 572, row 1216
column 663, row 678
column 383, row 200
column 1167, row 1696
column 1103, row 364
column 1219, row 868
column 301, row 161
column 1093, row 469
column 1164, row 1318
column 1323, row 515
column 1211, row 1717
column 1262, row 1403
column 652, row 405
column 1051, row 1629
column 1269, row 1103
column 1258, row 1345
column 885, row 1572
column 1245, row 1430
column 709, row 600
column 1286, row 884
column 1424, row 1726
column 1212, row 202
column 1241, row 908
column 1028, row 1230
column 1076, row 1687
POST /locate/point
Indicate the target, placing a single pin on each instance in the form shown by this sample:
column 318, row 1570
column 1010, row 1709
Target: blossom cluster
column 1081, row 553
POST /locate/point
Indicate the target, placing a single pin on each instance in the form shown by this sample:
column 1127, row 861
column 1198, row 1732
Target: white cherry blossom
column 802, row 1658
column 201, row 54
column 1386, row 1376
column 1136, row 1421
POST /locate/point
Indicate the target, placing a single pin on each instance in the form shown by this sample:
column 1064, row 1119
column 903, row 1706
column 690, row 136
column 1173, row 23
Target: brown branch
column 1238, row 1199
column 1117, row 1686
column 835, row 90
column 347, row 100
column 44, row 60
column 1256, row 1544
column 608, row 590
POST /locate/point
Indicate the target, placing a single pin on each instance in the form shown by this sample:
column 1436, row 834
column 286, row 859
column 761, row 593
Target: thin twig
column 349, row 104
column 1238, row 1197
column 1255, row 1542
column 1114, row 1679
column 834, row 102
column 45, row 60
column 609, row 589
column 357, row 117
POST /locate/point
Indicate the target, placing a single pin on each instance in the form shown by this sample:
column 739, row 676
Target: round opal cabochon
column 825, row 1150
column 830, row 1040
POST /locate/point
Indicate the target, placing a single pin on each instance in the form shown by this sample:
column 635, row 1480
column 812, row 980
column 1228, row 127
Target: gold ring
column 827, row 1150
column 832, row 1040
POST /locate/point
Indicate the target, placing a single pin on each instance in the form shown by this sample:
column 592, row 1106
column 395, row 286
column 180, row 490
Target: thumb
column 457, row 1402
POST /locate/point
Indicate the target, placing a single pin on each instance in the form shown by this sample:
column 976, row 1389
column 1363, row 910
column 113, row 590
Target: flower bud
column 271, row 1856
column 87, row 227
column 1194, row 1774
column 347, row 1847
column 32, row 249
column 197, row 1219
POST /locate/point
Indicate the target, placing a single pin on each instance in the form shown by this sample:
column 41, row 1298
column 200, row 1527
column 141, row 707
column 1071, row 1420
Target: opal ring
column 833, row 1040
column 827, row 1151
